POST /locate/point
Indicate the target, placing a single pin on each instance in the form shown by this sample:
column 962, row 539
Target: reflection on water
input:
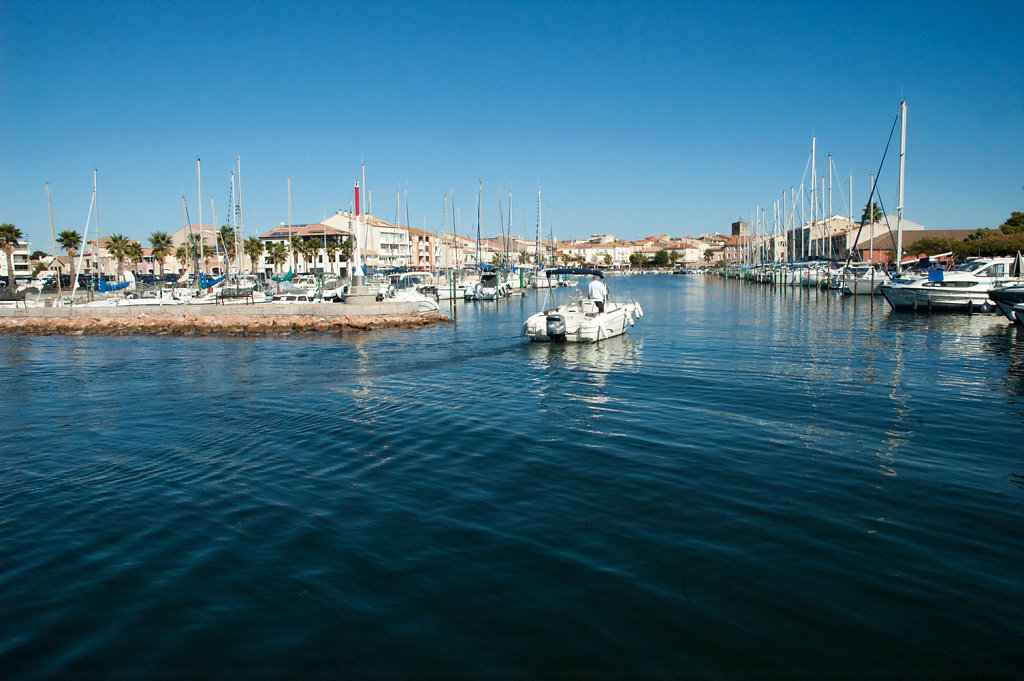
column 751, row 482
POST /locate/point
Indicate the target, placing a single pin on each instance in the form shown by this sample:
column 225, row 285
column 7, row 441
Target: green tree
column 933, row 246
column 331, row 249
column 195, row 246
column 346, row 249
column 980, row 233
column 226, row 241
column 872, row 213
column 277, row 254
column 9, row 237
column 294, row 248
column 70, row 241
column 673, row 257
column 162, row 247
column 1014, row 224
column 116, row 246
column 181, row 254
column 524, row 257
column 708, row 255
column 607, row 258
column 661, row 258
column 253, row 248
column 133, row 251
column 311, row 247
column 636, row 259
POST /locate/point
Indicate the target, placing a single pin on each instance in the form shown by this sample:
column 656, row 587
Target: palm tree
column 162, row 247
column 344, row 251
column 278, row 253
column 332, row 247
column 872, row 213
column 133, row 251
column 9, row 237
column 116, row 246
column 253, row 248
column 195, row 245
column 309, row 248
column 181, row 255
column 70, row 240
column 226, row 240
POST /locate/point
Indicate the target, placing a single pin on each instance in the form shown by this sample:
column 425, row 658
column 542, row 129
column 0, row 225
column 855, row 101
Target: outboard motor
column 556, row 328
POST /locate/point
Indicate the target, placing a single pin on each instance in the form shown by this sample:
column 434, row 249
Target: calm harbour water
column 754, row 483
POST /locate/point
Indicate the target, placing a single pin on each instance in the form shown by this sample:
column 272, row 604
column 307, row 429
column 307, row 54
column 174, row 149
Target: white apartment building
column 22, row 261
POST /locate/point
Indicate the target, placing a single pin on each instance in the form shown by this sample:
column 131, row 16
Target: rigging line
column 889, row 227
column 195, row 251
column 871, row 194
column 839, row 186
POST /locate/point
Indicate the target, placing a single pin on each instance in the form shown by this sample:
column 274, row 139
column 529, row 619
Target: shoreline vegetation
column 189, row 324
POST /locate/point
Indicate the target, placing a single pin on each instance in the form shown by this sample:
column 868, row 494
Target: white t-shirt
column 597, row 290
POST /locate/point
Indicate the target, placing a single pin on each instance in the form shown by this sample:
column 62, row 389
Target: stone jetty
column 234, row 320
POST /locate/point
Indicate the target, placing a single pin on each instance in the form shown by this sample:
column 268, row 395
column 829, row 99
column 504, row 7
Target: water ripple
column 751, row 483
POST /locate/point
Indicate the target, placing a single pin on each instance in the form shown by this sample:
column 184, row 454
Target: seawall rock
column 233, row 325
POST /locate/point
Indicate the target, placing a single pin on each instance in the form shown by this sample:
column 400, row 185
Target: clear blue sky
column 636, row 118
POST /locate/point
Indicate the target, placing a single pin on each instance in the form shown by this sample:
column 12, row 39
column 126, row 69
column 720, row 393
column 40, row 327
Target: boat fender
column 639, row 310
column 629, row 318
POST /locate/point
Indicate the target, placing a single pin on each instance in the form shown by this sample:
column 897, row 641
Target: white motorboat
column 1008, row 297
column 491, row 286
column 333, row 288
column 965, row 287
column 578, row 320
column 862, row 279
column 295, row 298
column 410, row 287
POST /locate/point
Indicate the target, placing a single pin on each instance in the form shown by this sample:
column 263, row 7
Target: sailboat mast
column 96, row 205
column 871, row 219
column 357, row 260
column 479, row 196
column 536, row 245
column 241, row 220
column 202, row 236
column 551, row 234
column 213, row 215
column 899, row 207
column 828, row 219
column 234, row 222
column 849, row 222
column 53, row 234
column 291, row 252
column 814, row 190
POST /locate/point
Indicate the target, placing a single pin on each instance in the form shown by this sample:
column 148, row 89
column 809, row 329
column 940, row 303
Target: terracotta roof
column 317, row 229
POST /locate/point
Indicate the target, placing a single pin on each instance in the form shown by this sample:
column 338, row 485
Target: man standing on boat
column 597, row 292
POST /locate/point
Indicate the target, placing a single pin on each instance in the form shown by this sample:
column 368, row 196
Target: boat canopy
column 574, row 270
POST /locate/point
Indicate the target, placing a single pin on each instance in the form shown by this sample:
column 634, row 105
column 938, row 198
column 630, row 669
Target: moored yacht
column 965, row 287
column 863, row 279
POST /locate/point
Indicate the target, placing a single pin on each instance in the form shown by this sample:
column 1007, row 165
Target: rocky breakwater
column 189, row 324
